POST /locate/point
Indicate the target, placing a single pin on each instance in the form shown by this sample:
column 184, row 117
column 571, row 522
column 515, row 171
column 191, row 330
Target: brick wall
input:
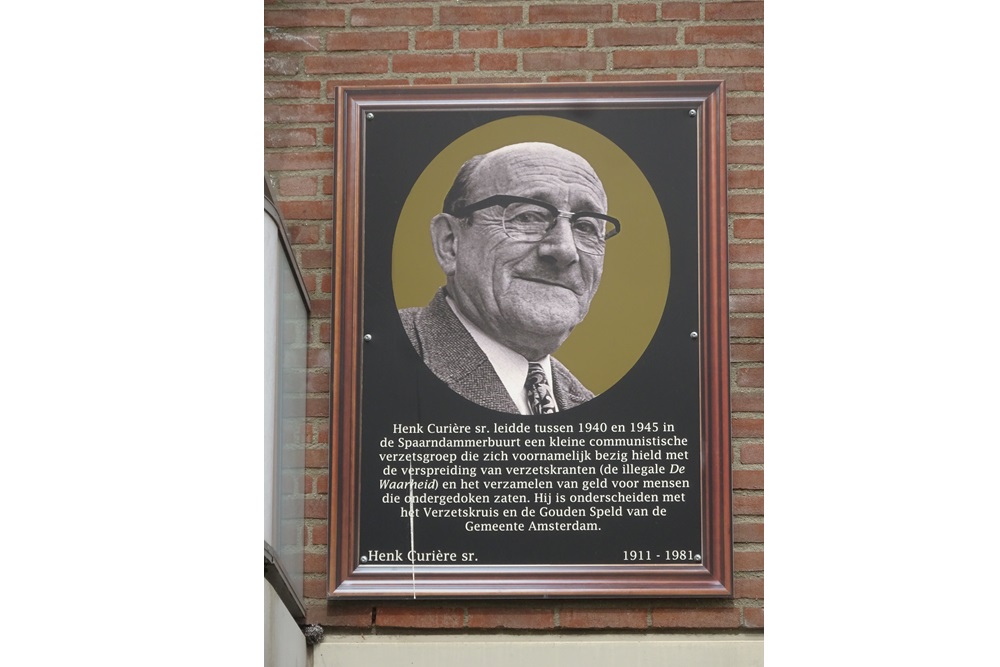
column 311, row 46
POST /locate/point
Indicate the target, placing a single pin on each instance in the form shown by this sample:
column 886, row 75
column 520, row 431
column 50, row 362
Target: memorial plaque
column 588, row 233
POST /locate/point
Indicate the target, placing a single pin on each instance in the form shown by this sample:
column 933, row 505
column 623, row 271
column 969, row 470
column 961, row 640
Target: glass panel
column 290, row 327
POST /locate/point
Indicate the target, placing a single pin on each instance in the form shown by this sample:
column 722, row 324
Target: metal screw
column 364, row 559
column 694, row 334
column 368, row 337
column 370, row 116
column 696, row 557
column 692, row 113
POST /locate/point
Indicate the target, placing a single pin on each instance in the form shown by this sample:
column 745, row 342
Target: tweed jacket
column 448, row 349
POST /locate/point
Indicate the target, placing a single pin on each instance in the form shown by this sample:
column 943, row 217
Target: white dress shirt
column 509, row 365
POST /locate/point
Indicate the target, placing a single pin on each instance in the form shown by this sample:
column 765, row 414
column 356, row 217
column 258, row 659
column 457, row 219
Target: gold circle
column 628, row 306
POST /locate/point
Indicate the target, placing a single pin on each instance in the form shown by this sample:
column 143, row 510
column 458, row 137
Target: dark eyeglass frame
column 507, row 200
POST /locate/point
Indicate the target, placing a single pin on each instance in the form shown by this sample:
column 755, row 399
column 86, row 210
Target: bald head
column 503, row 162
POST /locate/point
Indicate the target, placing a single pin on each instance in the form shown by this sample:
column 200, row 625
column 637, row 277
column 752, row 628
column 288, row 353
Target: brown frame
column 714, row 576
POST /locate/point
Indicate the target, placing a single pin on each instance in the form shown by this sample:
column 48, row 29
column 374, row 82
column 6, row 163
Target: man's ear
column 444, row 237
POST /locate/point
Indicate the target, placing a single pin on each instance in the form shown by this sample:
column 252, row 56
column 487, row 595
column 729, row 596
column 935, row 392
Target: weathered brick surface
column 311, row 47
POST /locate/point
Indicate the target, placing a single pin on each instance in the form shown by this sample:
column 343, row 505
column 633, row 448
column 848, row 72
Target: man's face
column 528, row 295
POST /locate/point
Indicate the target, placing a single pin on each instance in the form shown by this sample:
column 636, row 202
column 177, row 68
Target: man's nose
column 559, row 244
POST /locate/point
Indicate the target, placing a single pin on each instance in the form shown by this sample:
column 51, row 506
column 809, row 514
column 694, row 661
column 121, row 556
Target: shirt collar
column 509, row 365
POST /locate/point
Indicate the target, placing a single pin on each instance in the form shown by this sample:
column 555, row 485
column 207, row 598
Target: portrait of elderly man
column 521, row 241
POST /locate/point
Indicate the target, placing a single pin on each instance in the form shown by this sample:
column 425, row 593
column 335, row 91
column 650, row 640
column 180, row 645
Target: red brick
column 367, row 41
column 286, row 41
column 329, row 135
column 748, row 505
column 748, row 532
column 295, row 89
column 752, row 453
column 328, row 190
column 324, row 330
column 316, row 358
column 304, row 18
column 298, row 186
column 734, row 80
column 749, row 105
column 306, row 210
column 750, row 377
column 314, row 563
column 315, row 508
column 696, row 618
column 533, row 39
column 435, row 39
column 419, row 617
column 746, row 203
column 326, row 285
column 318, row 381
column 735, row 57
column 637, row 13
column 317, row 458
column 322, row 484
column 576, row 78
column 733, row 11
column 680, row 11
column 354, row 64
column 309, row 280
column 316, row 259
column 425, row 62
column 753, row 154
column 746, row 178
column 747, row 130
column 478, row 39
column 750, row 588
column 748, row 561
column 301, row 234
column 551, row 60
column 480, row 15
column 746, row 278
column 630, row 59
column 656, row 36
column 500, row 79
column 340, row 615
column 319, row 534
column 298, row 113
column 281, row 65
column 749, row 480
column 601, row 618
column 746, row 252
column 724, row 34
column 635, row 77
column 746, row 351
column 747, row 401
column 498, row 61
column 512, row 618
column 303, row 136
column 369, row 17
column 746, row 427
column 746, row 327
column 570, row 14
column 321, row 308
column 746, row 303
column 748, row 228
column 314, row 587
column 298, row 161
column 753, row 617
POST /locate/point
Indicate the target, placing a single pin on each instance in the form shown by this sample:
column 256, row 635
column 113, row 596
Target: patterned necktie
column 540, row 398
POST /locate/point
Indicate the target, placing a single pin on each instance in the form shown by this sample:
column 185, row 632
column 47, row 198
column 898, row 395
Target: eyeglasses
column 526, row 219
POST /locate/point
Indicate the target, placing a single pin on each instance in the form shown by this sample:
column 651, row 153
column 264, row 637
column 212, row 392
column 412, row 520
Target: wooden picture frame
column 659, row 149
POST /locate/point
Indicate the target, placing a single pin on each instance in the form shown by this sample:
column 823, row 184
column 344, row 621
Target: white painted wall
column 541, row 651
